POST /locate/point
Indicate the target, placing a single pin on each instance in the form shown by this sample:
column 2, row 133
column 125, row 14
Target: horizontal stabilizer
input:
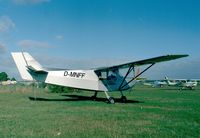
column 36, row 70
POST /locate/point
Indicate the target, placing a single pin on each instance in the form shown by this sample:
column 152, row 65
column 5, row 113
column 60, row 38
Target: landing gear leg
column 110, row 99
column 94, row 96
column 123, row 98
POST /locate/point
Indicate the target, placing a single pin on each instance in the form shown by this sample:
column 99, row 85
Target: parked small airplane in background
column 183, row 83
column 106, row 79
column 156, row 83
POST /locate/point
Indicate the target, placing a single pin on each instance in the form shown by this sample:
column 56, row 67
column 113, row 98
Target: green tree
column 13, row 79
column 3, row 76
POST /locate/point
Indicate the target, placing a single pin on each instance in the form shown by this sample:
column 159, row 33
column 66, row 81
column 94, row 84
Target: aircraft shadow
column 82, row 98
column 99, row 99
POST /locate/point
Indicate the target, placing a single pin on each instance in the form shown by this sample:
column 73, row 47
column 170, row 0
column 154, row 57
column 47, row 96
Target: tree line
column 52, row 88
column 4, row 77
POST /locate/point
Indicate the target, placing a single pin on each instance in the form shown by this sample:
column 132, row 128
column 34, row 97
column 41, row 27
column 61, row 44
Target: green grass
column 159, row 112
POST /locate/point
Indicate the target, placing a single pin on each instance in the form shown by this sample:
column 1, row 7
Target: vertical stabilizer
column 24, row 61
column 167, row 80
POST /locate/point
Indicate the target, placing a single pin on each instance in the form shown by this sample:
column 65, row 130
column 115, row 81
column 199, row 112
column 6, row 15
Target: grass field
column 150, row 112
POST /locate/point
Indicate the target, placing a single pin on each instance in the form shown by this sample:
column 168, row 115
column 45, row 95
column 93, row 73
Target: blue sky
column 93, row 33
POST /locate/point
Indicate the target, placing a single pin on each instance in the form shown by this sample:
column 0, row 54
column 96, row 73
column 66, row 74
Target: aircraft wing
column 142, row 62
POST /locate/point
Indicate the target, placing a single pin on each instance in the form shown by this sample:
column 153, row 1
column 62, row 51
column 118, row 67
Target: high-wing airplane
column 106, row 79
column 183, row 83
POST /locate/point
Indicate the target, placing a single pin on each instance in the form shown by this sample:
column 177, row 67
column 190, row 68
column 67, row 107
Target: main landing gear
column 94, row 96
column 110, row 99
column 123, row 98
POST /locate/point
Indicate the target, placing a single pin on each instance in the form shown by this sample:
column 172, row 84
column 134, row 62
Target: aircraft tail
column 26, row 65
column 166, row 78
column 168, row 81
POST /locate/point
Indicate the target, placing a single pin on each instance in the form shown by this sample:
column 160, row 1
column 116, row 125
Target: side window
column 102, row 75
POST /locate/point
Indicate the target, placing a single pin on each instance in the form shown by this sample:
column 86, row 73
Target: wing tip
column 175, row 56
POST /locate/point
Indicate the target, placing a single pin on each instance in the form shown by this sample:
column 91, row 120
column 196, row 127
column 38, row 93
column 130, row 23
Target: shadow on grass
column 82, row 98
column 179, row 89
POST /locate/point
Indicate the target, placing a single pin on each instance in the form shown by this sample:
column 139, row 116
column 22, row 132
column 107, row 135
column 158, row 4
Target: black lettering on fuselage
column 74, row 74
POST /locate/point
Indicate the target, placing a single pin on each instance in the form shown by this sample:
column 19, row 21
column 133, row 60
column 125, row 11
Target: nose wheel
column 110, row 99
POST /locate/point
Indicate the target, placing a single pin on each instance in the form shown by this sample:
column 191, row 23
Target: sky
column 84, row 34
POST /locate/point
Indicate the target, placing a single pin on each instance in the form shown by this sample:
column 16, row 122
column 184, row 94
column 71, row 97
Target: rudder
column 24, row 61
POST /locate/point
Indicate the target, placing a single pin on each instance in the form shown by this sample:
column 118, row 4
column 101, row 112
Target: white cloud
column 59, row 37
column 24, row 2
column 7, row 65
column 187, row 68
column 2, row 49
column 33, row 44
column 6, row 24
column 82, row 63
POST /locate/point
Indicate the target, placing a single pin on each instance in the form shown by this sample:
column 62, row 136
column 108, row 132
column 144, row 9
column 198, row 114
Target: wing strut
column 128, row 72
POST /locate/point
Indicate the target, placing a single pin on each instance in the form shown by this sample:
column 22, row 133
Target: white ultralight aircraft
column 183, row 83
column 106, row 79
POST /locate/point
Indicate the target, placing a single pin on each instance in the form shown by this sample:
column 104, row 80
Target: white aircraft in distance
column 156, row 83
column 106, row 79
column 183, row 83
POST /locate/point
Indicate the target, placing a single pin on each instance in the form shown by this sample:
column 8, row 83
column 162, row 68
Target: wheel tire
column 111, row 100
column 123, row 99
